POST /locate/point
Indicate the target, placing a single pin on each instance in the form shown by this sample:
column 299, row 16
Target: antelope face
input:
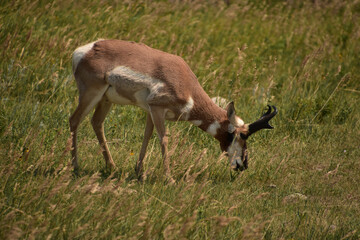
column 237, row 152
column 238, row 132
column 236, row 141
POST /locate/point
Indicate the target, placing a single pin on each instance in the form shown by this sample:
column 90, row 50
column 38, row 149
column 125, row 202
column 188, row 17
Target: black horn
column 262, row 123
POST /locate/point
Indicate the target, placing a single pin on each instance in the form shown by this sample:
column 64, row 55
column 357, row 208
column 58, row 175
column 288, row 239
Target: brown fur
column 179, row 83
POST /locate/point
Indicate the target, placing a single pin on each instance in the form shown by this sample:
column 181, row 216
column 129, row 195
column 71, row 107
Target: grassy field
column 303, row 180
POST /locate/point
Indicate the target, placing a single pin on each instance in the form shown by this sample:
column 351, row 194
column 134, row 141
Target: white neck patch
column 212, row 129
column 187, row 108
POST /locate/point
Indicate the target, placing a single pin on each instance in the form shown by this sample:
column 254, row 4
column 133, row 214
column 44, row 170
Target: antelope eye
column 243, row 136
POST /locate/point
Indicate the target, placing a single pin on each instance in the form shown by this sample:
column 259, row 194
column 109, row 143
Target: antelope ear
column 231, row 113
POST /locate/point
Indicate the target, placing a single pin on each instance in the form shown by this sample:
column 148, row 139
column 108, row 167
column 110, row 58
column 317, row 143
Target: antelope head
column 238, row 133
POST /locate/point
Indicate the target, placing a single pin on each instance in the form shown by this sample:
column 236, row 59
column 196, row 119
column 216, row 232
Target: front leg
column 158, row 119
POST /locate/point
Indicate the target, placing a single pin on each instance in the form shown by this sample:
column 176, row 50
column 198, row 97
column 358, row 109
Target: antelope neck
column 210, row 118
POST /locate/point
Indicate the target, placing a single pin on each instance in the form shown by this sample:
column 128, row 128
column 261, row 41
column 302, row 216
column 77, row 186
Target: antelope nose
column 236, row 166
column 242, row 168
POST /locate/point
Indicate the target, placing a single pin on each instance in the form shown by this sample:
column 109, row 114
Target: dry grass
column 302, row 182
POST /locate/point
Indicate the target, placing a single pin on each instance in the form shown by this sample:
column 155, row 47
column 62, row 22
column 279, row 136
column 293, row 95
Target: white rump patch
column 196, row 122
column 212, row 129
column 79, row 53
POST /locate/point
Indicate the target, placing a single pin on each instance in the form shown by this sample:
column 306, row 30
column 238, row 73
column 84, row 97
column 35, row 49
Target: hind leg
column 87, row 101
column 97, row 122
column 149, row 127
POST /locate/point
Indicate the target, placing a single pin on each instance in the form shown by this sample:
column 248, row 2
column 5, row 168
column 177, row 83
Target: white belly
column 116, row 98
column 140, row 101
column 139, row 98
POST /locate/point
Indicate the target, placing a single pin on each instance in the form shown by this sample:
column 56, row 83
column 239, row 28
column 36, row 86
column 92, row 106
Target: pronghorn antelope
column 128, row 73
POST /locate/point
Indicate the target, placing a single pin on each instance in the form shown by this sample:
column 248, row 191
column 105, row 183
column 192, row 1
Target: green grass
column 303, row 177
